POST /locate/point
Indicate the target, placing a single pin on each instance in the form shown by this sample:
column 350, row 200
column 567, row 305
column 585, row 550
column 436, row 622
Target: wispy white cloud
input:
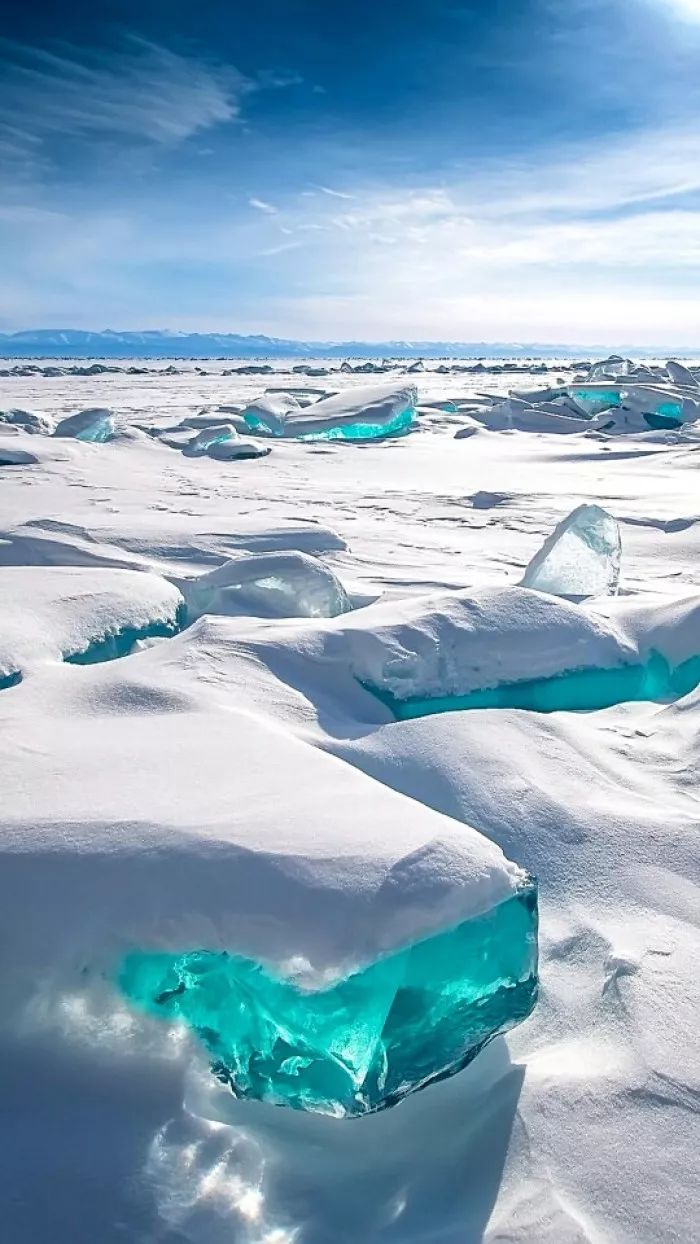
column 261, row 206
column 143, row 92
column 335, row 194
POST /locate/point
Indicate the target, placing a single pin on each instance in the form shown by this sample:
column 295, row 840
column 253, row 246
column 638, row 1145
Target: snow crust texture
column 232, row 799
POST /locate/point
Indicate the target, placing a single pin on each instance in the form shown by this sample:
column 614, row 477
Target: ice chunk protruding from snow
column 276, row 585
column 581, row 557
column 81, row 614
column 214, row 434
column 95, row 424
column 370, row 412
column 681, row 375
column 34, row 422
column 418, row 1015
column 238, row 447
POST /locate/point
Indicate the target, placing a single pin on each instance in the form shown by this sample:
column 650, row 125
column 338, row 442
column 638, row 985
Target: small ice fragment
column 95, row 424
column 581, row 557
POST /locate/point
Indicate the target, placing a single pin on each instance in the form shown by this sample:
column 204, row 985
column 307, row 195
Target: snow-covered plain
column 238, row 787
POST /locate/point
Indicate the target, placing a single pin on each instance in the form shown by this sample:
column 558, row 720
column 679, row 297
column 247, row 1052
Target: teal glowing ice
column 577, row 690
column 10, row 680
column 593, row 401
column 98, row 433
column 120, row 643
column 365, row 1042
column 667, row 417
column 400, row 425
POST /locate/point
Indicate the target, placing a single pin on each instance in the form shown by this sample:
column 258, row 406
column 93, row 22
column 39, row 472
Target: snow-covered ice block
column 212, row 434
column 81, row 615
column 581, row 558
column 237, row 448
column 95, row 424
column 366, row 413
column 273, row 585
column 267, row 414
column 385, row 941
column 462, row 642
column 29, row 421
column 11, row 456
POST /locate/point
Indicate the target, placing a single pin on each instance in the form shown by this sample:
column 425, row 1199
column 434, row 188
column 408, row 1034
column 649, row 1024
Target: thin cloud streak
column 142, row 92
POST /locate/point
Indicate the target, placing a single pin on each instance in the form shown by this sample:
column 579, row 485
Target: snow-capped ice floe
column 36, row 422
column 366, row 413
column 11, row 456
column 272, row 585
column 461, row 642
column 80, row 615
column 95, row 424
column 581, row 558
column 463, row 653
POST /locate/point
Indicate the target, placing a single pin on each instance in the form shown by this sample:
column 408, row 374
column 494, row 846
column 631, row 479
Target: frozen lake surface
column 230, row 784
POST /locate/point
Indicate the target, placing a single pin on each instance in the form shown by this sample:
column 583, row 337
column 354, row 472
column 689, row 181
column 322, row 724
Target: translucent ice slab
column 96, row 425
column 574, row 691
column 268, row 585
column 593, row 400
column 366, row 413
column 370, row 1039
column 581, row 557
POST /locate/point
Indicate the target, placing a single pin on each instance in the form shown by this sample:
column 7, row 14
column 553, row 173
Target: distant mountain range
column 77, row 343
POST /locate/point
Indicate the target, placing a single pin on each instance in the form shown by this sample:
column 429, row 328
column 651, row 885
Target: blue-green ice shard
column 575, row 691
column 370, row 1039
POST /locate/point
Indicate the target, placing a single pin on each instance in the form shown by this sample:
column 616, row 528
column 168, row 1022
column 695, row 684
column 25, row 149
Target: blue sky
column 454, row 169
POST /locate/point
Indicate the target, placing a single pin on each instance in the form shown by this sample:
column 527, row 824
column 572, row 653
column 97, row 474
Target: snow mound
column 53, row 614
column 463, row 642
column 177, row 848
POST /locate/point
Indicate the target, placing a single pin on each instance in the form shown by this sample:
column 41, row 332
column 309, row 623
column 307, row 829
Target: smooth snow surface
column 235, row 789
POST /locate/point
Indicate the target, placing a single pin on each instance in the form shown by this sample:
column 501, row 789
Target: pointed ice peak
column 581, row 557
